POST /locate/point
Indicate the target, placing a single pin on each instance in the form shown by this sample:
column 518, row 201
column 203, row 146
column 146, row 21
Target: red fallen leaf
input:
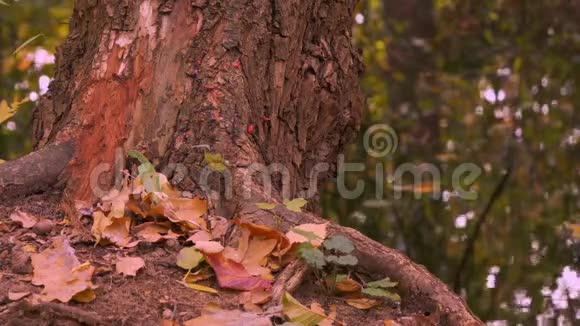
column 251, row 129
column 233, row 275
column 236, row 64
column 210, row 87
column 266, row 118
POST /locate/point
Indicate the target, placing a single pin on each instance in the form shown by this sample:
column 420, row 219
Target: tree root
column 65, row 311
column 34, row 172
column 288, row 280
column 376, row 259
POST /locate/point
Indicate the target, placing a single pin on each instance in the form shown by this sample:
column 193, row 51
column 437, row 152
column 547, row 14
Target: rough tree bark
column 260, row 81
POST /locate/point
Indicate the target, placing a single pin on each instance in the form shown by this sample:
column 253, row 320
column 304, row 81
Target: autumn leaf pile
column 148, row 209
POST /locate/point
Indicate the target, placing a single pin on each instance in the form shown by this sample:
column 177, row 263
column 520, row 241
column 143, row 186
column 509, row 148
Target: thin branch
column 496, row 194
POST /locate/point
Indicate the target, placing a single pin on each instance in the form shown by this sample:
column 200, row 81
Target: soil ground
column 148, row 298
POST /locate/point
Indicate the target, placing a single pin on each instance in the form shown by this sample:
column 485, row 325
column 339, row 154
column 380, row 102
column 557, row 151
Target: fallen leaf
column 384, row 283
column 14, row 296
column 295, row 205
column 129, row 266
column 390, row 322
column 190, row 210
column 379, row 292
column 233, row 275
column 59, row 270
column 362, row 303
column 201, row 288
column 26, row 220
column 266, row 206
column 85, row 296
column 316, row 307
column 255, row 257
column 257, row 297
column 215, row 316
column 200, row 275
column 313, row 233
column 209, row 247
column 348, row 286
column 199, row 236
column 115, row 230
column 154, row 231
column 264, row 231
column 188, row 258
column 215, row 161
column 297, row 313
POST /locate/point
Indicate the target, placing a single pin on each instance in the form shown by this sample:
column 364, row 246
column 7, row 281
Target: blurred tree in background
column 493, row 83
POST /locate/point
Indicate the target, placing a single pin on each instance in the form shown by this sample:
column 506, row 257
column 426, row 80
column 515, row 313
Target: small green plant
column 336, row 255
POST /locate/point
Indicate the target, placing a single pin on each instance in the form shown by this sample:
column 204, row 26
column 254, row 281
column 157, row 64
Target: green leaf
column 151, row 181
column 312, row 256
column 348, row 260
column 299, row 314
column 188, row 258
column 138, row 156
column 384, row 283
column 295, row 205
column 26, row 43
column 307, row 234
column 339, row 243
column 215, row 161
column 266, row 206
column 378, row 292
column 341, row 277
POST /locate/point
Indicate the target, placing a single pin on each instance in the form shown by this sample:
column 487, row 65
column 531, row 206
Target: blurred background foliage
column 493, row 82
column 26, row 74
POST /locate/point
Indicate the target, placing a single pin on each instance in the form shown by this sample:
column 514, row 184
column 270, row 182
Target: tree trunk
column 264, row 81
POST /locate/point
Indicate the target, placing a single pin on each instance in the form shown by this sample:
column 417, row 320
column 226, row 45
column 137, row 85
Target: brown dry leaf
column 85, row 296
column 348, row 286
column 115, row 201
column 199, row 236
column 200, row 275
column 316, row 307
column 258, row 230
column 256, row 255
column 115, row 230
column 212, row 315
column 257, row 297
column 362, row 303
column 313, row 233
column 155, row 231
column 219, row 226
column 390, row 322
column 118, row 231
column 26, row 220
column 233, row 275
column 61, row 273
column 209, row 247
column 14, row 296
column 129, row 266
column 190, row 210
